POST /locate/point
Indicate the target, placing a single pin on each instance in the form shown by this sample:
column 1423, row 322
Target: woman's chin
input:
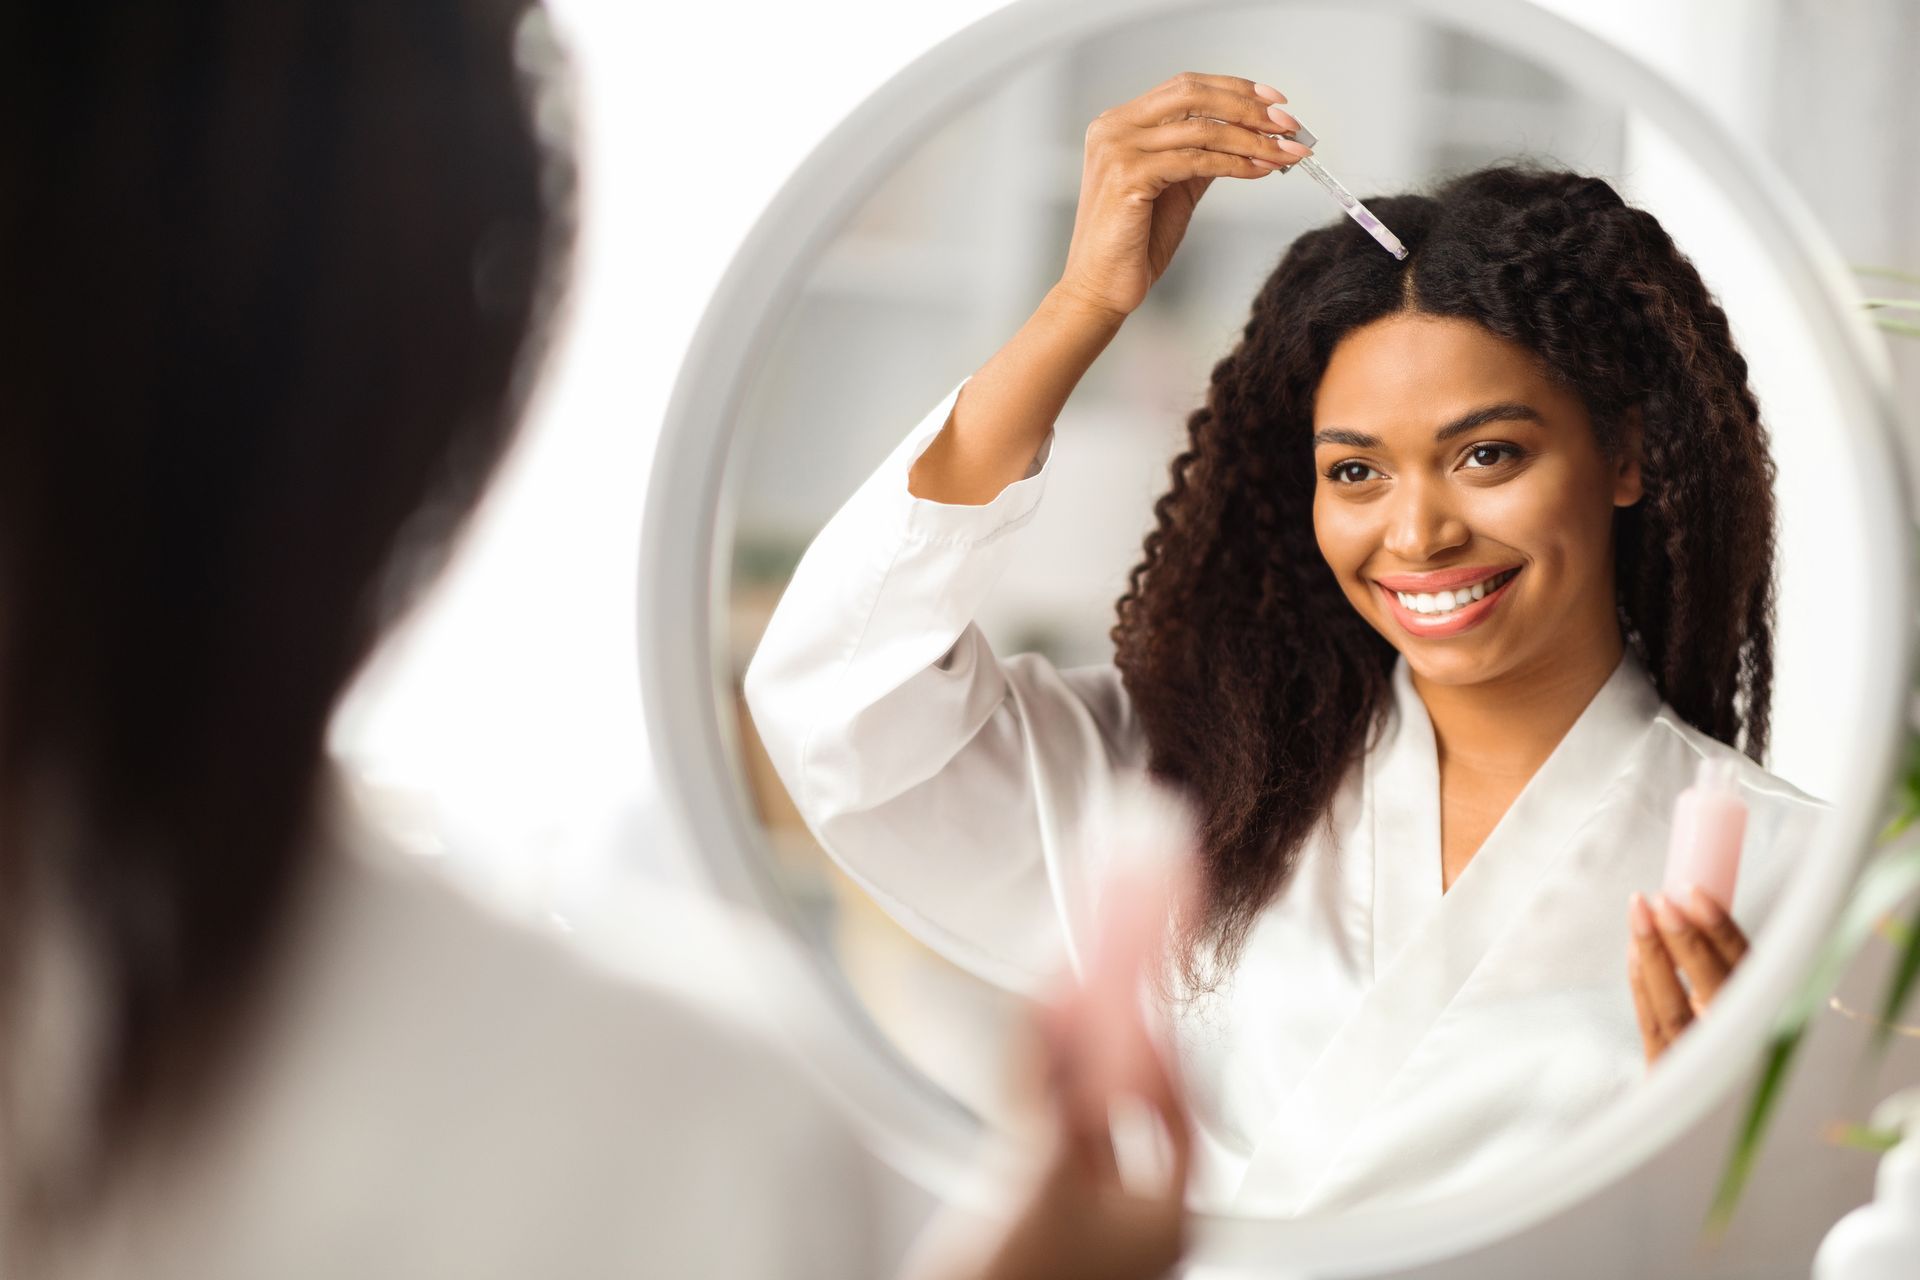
column 1452, row 660
column 1451, row 666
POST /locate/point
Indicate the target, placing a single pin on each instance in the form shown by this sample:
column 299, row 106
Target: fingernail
column 1291, row 147
column 1280, row 117
column 1268, row 92
column 1670, row 921
column 1264, row 164
column 1638, row 917
column 1704, row 907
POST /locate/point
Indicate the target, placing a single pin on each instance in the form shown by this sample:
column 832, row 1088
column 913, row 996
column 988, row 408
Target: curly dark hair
column 1257, row 683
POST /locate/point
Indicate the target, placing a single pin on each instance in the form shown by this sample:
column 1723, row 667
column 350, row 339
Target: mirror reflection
column 1448, row 590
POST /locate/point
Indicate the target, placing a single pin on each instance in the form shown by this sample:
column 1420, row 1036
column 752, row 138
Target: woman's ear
column 1627, row 488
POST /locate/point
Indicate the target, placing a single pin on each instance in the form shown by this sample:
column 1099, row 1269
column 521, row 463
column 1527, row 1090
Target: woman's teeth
column 1448, row 601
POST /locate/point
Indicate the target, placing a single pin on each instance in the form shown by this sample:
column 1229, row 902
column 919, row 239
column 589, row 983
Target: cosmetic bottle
column 1709, row 821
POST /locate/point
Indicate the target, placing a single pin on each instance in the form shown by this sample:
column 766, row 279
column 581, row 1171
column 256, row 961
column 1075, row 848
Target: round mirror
column 1419, row 1031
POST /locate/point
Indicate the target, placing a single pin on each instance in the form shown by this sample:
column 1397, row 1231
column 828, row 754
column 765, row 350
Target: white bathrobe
column 1378, row 1040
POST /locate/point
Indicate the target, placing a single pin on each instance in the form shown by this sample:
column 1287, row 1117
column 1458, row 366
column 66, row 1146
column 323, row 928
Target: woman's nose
column 1421, row 523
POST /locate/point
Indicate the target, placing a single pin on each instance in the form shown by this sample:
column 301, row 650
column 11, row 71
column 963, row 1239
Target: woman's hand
column 1082, row 1220
column 1694, row 937
column 1147, row 164
column 1110, row 1203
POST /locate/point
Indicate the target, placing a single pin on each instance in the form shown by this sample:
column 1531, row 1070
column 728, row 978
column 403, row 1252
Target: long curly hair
column 1256, row 682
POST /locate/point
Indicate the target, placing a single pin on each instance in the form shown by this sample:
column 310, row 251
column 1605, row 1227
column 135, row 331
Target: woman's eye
column 1350, row 472
column 1490, row 455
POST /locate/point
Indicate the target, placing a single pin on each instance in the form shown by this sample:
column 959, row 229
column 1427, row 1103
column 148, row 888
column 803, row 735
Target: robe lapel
column 1402, row 780
column 1427, row 944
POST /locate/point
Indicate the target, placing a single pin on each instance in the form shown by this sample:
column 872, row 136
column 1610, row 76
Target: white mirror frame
column 928, row 1134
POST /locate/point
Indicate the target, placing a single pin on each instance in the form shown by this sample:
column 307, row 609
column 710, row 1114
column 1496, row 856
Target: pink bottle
column 1709, row 821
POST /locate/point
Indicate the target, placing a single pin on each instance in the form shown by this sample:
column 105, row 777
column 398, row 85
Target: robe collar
column 1402, row 781
column 1427, row 945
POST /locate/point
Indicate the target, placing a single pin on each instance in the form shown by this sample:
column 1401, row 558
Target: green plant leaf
column 1896, row 304
column 1901, row 987
column 1887, row 882
column 1887, row 273
column 1891, row 325
column 1862, row 1137
column 1746, row 1147
column 1906, row 794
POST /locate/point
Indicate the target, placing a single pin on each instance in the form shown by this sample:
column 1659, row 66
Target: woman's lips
column 1443, row 579
column 1431, row 625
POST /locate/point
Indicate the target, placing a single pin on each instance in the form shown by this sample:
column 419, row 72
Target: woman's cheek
column 1346, row 544
column 1333, row 531
column 1525, row 518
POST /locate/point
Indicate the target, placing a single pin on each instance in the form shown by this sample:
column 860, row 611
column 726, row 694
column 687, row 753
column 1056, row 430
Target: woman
column 1466, row 567
column 274, row 280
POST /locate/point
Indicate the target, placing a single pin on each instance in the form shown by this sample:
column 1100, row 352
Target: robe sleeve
column 937, row 775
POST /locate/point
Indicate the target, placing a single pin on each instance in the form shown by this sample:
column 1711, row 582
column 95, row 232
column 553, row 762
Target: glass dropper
column 1348, row 201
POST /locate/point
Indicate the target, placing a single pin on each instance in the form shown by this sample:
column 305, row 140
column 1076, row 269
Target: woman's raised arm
column 940, row 776
column 1147, row 163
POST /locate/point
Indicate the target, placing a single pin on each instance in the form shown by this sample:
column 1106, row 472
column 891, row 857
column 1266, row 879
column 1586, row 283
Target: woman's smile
column 1446, row 611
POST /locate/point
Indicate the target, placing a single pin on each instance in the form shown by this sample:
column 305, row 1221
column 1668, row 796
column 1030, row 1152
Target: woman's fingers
column 1666, row 998
column 1212, row 135
column 1165, row 168
column 1712, row 920
column 1651, row 1038
column 1233, row 84
column 1080, row 1104
column 1141, row 181
column 1702, row 942
column 1697, row 956
column 1224, row 98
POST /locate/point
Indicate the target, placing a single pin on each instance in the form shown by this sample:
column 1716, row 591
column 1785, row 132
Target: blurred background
column 501, row 731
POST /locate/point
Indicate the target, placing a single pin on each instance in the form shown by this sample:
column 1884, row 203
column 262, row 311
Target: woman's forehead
column 1411, row 371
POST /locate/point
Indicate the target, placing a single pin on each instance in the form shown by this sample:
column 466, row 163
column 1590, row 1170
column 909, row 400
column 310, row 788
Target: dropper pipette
column 1348, row 201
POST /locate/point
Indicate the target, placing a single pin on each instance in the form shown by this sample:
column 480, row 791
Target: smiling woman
column 1537, row 289
column 1466, row 566
column 1481, row 551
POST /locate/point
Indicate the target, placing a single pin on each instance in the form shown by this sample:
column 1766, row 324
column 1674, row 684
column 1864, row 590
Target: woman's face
column 1464, row 503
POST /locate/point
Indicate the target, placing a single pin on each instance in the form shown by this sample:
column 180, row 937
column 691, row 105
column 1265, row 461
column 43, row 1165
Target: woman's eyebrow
column 1505, row 411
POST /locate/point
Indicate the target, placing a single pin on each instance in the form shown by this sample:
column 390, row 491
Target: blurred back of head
column 272, row 277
